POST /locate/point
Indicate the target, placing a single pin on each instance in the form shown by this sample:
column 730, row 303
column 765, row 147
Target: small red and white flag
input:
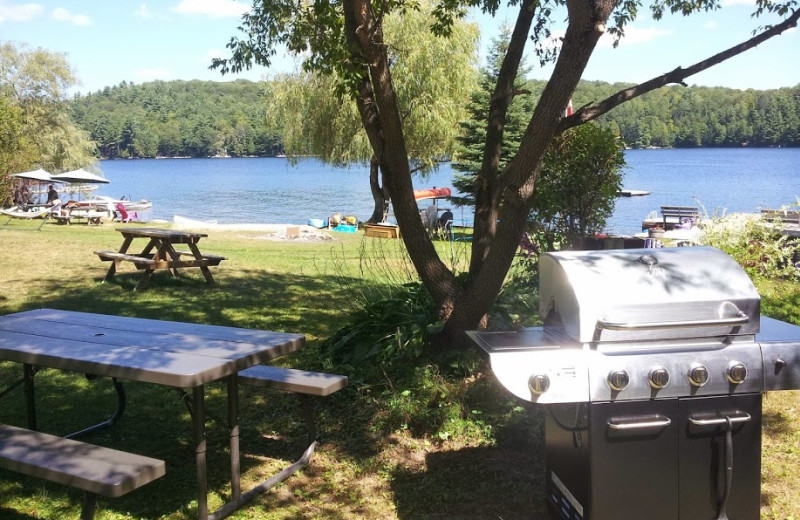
column 568, row 111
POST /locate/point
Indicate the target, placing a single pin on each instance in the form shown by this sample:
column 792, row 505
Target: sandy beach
column 270, row 231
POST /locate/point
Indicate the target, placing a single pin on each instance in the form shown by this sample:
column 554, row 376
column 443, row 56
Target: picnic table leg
column 112, row 269
column 28, row 371
column 199, row 427
column 111, row 421
column 199, row 256
column 144, row 280
column 167, row 252
column 233, row 427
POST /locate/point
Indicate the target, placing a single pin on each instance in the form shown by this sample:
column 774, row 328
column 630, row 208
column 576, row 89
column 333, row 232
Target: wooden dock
column 633, row 193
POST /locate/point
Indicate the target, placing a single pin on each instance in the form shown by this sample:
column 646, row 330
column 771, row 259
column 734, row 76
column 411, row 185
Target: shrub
column 759, row 247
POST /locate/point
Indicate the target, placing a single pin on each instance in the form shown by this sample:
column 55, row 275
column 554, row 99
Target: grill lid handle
column 739, row 319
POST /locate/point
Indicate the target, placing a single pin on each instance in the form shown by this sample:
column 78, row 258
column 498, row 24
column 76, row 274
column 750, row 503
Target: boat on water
column 102, row 202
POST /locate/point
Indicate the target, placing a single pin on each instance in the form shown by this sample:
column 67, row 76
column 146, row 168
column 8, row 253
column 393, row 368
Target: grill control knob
column 618, row 380
column 538, row 384
column 658, row 377
column 737, row 372
column 698, row 375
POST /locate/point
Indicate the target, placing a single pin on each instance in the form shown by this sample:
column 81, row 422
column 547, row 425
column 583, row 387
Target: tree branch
column 591, row 112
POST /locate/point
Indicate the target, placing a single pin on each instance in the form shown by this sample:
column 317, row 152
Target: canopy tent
column 79, row 176
column 34, row 175
column 79, row 181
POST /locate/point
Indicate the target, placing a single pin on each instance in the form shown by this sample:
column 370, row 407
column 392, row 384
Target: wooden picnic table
column 172, row 354
column 159, row 253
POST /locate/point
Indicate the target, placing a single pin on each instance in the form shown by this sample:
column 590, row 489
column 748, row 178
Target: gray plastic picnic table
column 173, row 354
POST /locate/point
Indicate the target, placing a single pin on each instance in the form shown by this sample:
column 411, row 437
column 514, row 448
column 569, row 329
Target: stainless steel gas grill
column 651, row 365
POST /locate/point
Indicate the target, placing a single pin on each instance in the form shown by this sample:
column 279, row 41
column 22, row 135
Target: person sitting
column 446, row 225
column 52, row 196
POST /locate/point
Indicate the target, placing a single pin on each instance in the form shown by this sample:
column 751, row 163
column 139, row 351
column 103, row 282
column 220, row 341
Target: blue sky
column 108, row 41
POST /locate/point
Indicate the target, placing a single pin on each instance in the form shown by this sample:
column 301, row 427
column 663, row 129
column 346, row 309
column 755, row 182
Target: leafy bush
column 383, row 348
column 386, row 331
column 759, row 247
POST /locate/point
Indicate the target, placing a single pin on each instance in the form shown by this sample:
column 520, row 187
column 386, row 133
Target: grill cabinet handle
column 660, row 422
column 740, row 319
column 740, row 417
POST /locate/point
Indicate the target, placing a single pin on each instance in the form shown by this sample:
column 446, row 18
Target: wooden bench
column 93, row 469
column 140, row 262
column 782, row 216
column 674, row 215
column 213, row 260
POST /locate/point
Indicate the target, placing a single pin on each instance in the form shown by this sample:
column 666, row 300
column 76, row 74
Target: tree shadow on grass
column 244, row 298
column 476, row 483
column 473, row 484
column 155, row 422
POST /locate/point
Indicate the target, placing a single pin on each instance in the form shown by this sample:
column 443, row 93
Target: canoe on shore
column 432, row 193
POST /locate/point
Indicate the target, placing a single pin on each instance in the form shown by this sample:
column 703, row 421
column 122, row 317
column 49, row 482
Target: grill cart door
column 704, row 457
column 613, row 461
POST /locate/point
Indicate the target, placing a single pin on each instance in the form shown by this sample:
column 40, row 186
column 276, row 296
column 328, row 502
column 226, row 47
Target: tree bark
column 379, row 195
column 365, row 35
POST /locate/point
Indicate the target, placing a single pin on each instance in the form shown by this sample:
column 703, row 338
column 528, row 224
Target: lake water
column 272, row 190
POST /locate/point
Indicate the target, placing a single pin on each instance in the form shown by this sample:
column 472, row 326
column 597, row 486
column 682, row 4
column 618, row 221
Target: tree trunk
column 506, row 197
column 379, row 195
column 365, row 36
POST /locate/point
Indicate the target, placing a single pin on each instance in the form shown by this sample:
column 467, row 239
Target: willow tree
column 33, row 90
column 434, row 77
column 346, row 37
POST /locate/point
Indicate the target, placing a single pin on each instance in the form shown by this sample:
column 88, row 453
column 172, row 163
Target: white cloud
column 143, row 12
column 213, row 53
column 727, row 3
column 634, row 36
column 711, row 24
column 63, row 15
column 215, row 8
column 19, row 12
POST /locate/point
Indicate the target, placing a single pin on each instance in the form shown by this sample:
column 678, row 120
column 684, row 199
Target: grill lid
column 647, row 294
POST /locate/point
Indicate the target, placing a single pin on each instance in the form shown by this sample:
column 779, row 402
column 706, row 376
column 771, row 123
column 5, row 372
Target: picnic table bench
column 160, row 253
column 783, row 216
column 787, row 220
column 93, row 469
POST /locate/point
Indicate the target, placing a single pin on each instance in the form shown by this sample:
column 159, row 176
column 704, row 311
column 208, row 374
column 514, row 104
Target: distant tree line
column 179, row 119
column 682, row 117
column 207, row 118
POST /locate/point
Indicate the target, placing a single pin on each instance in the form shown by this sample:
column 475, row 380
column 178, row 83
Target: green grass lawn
column 362, row 468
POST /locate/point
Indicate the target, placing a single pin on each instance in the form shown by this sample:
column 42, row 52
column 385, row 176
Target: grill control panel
column 534, row 365
column 732, row 369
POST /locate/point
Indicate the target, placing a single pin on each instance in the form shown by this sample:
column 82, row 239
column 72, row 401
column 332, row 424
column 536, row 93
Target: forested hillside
column 206, row 118
column 179, row 119
column 684, row 117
